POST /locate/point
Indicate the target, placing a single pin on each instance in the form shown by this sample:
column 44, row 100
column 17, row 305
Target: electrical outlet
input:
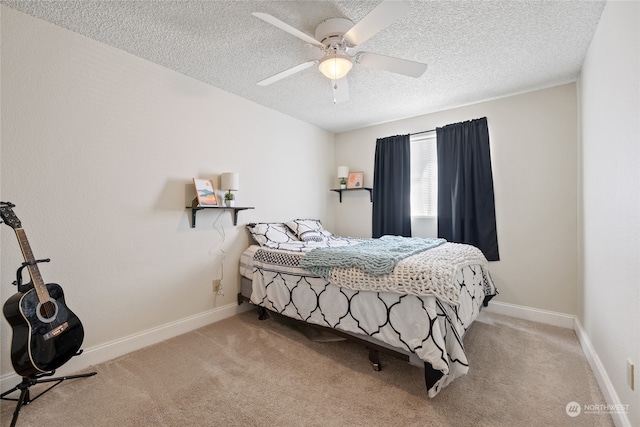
column 216, row 285
column 630, row 374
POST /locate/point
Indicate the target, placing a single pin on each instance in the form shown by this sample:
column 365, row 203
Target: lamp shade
column 230, row 181
column 335, row 67
column 343, row 171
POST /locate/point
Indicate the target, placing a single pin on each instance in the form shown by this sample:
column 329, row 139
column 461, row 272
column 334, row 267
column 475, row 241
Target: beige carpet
column 246, row 372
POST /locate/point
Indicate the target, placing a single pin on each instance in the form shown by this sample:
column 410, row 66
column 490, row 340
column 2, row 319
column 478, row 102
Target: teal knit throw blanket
column 376, row 256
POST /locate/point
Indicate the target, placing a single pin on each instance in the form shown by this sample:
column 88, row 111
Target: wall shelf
column 235, row 209
column 340, row 190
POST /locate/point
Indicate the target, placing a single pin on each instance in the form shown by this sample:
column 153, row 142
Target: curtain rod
column 424, row 131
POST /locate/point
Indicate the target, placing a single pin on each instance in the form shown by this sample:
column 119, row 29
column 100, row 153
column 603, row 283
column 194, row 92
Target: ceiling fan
column 337, row 38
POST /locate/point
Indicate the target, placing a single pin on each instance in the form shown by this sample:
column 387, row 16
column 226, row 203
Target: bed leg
column 486, row 300
column 374, row 357
column 262, row 313
column 431, row 376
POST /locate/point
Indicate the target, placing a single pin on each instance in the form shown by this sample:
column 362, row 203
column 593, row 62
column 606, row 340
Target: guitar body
column 45, row 335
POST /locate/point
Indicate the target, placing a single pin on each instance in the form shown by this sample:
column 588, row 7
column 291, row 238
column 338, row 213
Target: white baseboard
column 534, row 314
column 620, row 418
column 110, row 350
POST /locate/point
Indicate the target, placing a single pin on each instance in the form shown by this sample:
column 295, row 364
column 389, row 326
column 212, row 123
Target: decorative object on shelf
column 229, row 181
column 356, row 180
column 343, row 173
column 205, row 192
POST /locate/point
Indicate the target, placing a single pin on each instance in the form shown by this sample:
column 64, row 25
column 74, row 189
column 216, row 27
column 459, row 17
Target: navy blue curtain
column 392, row 187
column 466, row 206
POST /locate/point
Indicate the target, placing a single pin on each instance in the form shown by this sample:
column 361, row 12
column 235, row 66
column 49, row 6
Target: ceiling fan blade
column 389, row 63
column 286, row 27
column 286, row 73
column 385, row 14
column 340, row 90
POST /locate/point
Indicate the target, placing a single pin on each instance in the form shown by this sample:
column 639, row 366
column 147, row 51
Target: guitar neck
column 32, row 266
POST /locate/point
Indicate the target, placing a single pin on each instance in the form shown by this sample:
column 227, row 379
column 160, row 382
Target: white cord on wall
column 220, row 255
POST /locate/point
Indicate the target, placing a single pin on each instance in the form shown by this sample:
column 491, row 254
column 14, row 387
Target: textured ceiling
column 476, row 50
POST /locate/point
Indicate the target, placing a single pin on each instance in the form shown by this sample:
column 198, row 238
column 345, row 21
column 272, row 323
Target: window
column 424, row 175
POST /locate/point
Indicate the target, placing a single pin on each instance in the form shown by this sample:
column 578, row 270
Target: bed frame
column 431, row 376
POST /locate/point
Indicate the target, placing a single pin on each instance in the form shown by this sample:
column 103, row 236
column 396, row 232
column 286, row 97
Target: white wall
column 533, row 149
column 609, row 292
column 98, row 151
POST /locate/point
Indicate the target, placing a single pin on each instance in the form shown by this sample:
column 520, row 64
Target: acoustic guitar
column 46, row 334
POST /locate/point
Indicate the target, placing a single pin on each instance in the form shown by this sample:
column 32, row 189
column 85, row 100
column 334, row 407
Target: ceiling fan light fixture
column 335, row 66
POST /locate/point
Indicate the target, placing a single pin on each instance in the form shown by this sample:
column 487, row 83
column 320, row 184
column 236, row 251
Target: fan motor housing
column 330, row 31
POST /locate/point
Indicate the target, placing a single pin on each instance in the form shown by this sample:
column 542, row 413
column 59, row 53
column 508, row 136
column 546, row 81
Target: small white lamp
column 343, row 173
column 229, row 181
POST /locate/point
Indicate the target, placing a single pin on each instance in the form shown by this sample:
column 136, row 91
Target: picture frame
column 355, row 180
column 205, row 192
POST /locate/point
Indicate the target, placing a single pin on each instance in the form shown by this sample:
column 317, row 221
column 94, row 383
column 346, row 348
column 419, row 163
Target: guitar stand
column 27, row 382
column 24, row 287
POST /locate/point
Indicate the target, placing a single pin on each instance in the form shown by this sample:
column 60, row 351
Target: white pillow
column 271, row 234
column 309, row 230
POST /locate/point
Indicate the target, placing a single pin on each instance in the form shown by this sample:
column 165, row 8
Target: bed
column 417, row 305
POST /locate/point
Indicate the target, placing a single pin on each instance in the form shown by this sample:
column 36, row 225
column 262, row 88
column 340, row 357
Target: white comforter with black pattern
column 424, row 325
